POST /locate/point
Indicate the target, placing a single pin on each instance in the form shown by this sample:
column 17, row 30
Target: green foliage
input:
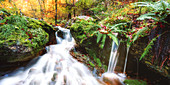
column 114, row 38
column 14, row 31
column 33, row 23
column 99, row 36
column 149, row 46
column 102, row 37
column 99, row 62
column 108, row 31
column 103, row 41
column 159, row 10
column 130, row 21
column 139, row 33
column 134, row 82
column 99, row 11
column 100, row 7
column 82, row 29
column 91, row 64
column 4, row 12
column 84, row 4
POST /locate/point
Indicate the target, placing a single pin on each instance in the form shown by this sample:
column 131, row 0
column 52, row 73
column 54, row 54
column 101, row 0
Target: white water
column 56, row 67
column 124, row 69
column 113, row 57
column 110, row 76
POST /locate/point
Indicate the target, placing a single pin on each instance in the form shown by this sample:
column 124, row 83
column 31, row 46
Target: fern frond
column 114, row 38
column 149, row 46
column 99, row 37
column 140, row 32
column 99, row 62
column 116, row 25
column 103, row 41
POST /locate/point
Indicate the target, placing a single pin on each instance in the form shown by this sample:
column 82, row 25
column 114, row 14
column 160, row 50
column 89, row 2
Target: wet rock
column 111, row 79
column 145, row 69
column 11, row 59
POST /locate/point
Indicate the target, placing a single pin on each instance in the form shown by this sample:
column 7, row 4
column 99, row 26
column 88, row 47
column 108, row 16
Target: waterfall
column 113, row 57
column 56, row 67
column 124, row 70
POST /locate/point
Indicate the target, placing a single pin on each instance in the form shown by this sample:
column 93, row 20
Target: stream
column 56, row 67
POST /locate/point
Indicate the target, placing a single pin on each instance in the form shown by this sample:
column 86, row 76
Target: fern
column 99, row 62
column 114, row 38
column 159, row 7
column 103, row 41
column 99, row 37
column 91, row 64
column 149, row 46
column 139, row 33
column 114, row 27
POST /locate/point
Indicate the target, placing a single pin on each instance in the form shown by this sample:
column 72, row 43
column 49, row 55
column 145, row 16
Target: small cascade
column 110, row 77
column 113, row 58
column 124, row 70
column 114, row 55
column 56, row 67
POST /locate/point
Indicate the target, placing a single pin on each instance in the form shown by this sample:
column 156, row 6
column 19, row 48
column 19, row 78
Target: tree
column 55, row 12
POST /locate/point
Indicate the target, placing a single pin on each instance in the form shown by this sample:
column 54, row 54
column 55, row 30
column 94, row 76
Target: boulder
column 22, row 39
column 112, row 79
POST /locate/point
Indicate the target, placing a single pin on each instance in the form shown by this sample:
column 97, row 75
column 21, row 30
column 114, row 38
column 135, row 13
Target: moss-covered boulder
column 22, row 38
column 83, row 29
column 33, row 23
column 145, row 69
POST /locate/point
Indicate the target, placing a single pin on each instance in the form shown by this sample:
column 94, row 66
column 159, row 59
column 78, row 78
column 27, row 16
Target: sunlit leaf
column 103, row 40
column 147, row 16
column 91, row 64
column 114, row 38
column 140, row 32
column 99, row 62
column 99, row 37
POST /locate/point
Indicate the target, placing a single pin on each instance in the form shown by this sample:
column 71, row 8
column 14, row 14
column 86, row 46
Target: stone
column 112, row 79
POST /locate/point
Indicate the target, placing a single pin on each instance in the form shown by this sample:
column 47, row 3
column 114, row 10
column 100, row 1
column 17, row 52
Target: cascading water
column 113, row 57
column 56, row 67
column 124, row 69
column 110, row 77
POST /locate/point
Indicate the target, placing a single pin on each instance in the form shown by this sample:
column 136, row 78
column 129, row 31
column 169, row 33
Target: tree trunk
column 69, row 14
column 74, row 11
column 56, row 12
column 41, row 10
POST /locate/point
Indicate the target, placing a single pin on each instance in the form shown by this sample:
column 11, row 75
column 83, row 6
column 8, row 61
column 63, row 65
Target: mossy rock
column 82, row 30
column 23, row 38
column 34, row 23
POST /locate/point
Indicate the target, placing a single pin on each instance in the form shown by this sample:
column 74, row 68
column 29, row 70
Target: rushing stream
column 56, row 67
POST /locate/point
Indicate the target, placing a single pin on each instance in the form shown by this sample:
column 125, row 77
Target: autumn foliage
column 40, row 9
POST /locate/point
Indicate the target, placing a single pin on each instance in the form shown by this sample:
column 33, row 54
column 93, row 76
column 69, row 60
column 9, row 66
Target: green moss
column 135, row 82
column 19, row 30
column 83, row 29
